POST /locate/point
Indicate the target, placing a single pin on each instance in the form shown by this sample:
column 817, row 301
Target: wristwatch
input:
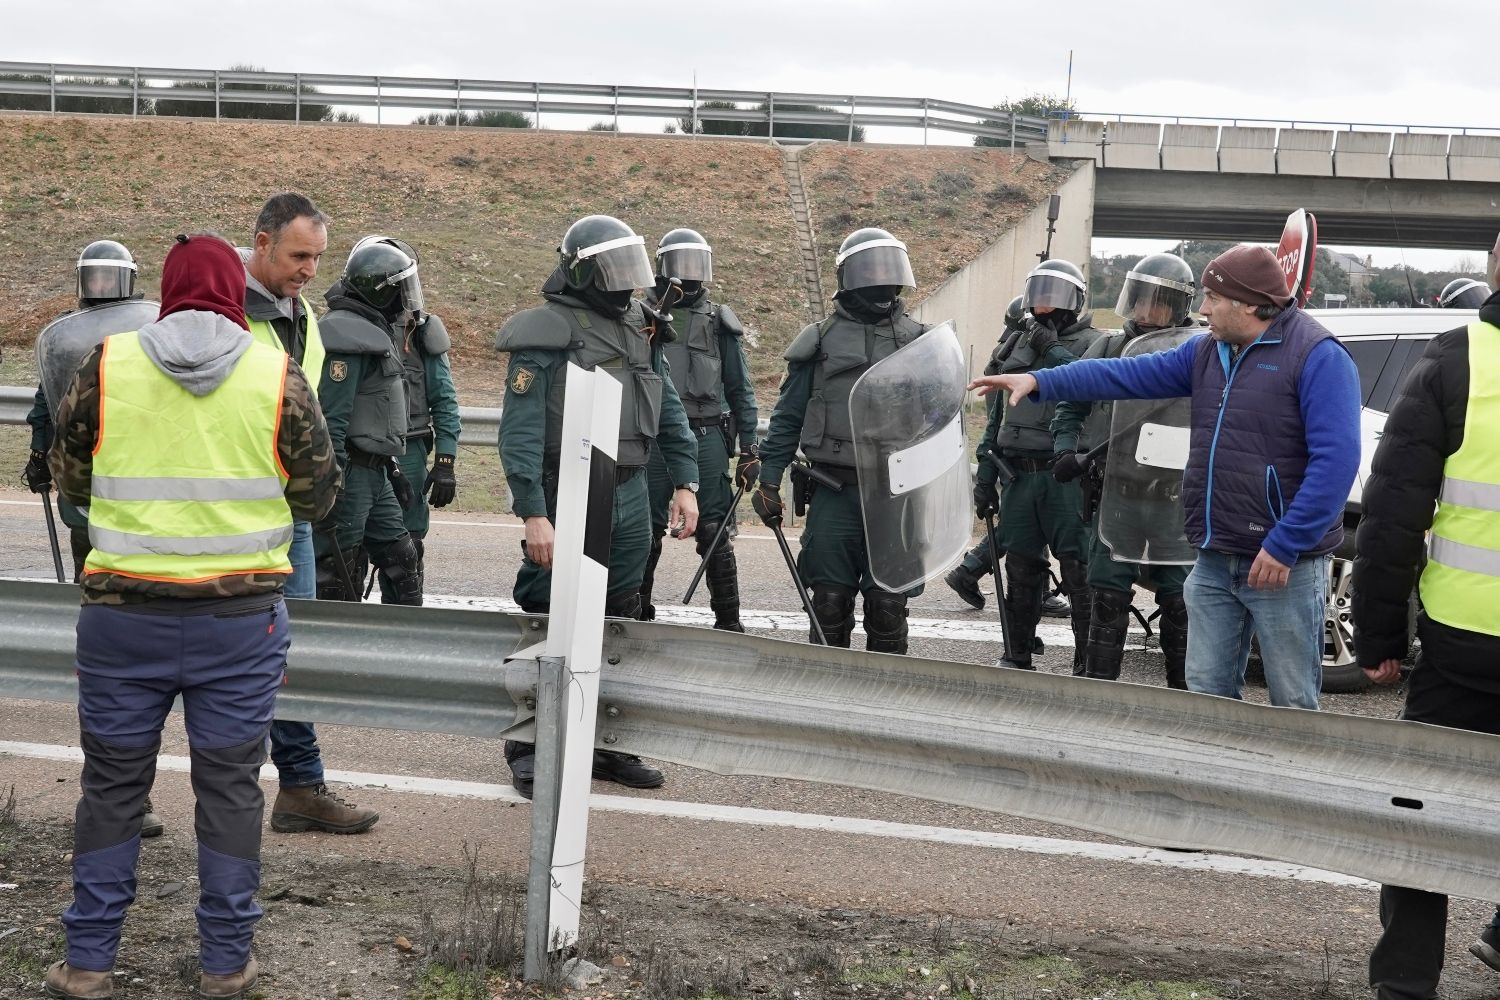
column 690, row 487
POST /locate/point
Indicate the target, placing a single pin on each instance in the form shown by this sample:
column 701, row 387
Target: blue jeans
column 1224, row 612
column 294, row 745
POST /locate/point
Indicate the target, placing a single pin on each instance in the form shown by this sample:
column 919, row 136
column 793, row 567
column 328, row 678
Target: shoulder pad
column 1104, row 347
column 805, row 346
column 730, row 323
column 539, row 328
column 345, row 332
column 435, row 339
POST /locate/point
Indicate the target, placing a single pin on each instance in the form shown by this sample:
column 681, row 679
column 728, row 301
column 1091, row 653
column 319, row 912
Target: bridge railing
column 1296, row 148
column 129, row 90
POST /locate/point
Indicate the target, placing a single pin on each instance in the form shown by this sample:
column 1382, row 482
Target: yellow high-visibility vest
column 1461, row 584
column 312, row 352
column 188, row 488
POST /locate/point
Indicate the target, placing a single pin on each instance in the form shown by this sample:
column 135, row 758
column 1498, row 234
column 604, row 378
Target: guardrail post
column 924, row 123
column 135, row 93
column 458, row 104
column 695, row 104
column 851, row 119
column 216, row 95
column 538, row 122
column 1012, row 131
column 377, row 100
column 297, row 98
column 52, row 86
column 770, row 116
column 617, row 110
column 546, row 786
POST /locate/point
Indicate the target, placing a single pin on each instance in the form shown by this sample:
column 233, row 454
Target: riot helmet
column 601, row 252
column 873, row 258
column 1158, row 292
column 382, row 272
column 684, row 254
column 1054, row 285
column 1463, row 293
column 106, row 273
column 1015, row 314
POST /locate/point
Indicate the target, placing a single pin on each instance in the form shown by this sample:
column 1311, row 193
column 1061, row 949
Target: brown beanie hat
column 1248, row 274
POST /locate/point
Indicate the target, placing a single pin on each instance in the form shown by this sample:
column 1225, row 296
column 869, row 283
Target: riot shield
column 66, row 341
column 1140, row 503
column 909, row 448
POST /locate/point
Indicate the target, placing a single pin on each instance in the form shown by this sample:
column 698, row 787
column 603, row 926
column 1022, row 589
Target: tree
column 1037, row 105
column 708, row 125
column 475, row 119
column 68, row 104
column 279, row 111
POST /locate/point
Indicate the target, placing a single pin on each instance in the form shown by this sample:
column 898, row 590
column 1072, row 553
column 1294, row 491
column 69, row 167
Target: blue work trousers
column 294, row 745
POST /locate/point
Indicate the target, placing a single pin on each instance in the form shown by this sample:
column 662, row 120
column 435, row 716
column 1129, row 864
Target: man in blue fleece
column 1274, row 449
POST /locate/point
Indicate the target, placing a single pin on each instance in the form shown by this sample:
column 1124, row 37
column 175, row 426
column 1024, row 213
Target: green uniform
column 541, row 341
column 812, row 412
column 1081, row 426
column 76, row 520
column 707, row 366
column 1036, row 511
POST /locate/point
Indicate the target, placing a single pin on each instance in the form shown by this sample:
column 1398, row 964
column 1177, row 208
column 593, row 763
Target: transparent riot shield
column 66, row 341
column 1140, row 503
column 909, row 447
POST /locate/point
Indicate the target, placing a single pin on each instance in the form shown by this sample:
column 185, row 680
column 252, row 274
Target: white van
column 1385, row 344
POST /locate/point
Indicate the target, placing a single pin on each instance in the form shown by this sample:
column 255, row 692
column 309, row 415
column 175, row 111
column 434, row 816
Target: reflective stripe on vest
column 313, row 354
column 188, row 488
column 1461, row 584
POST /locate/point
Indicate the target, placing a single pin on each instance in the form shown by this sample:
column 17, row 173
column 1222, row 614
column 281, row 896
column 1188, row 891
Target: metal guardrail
column 135, row 84
column 1232, row 121
column 1396, row 802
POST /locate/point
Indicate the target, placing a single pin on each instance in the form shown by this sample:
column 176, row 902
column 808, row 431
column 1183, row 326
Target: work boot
column 232, row 986
column 522, row 760
column 1487, row 948
column 1105, row 649
column 314, row 807
column 67, row 983
column 965, row 584
column 723, row 577
column 625, row 769
column 1027, row 579
column 151, row 824
column 1053, row 606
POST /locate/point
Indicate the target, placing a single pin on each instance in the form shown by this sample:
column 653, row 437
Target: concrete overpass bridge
column 1190, row 181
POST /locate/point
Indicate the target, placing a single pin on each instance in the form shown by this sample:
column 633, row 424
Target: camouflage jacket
column 302, row 442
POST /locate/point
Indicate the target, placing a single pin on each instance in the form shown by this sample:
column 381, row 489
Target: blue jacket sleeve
column 1328, row 392
column 1162, row 375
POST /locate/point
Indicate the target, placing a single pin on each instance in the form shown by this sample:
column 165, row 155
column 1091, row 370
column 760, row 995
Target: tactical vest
column 378, row 422
column 196, row 491
column 312, row 352
column 1096, row 426
column 1461, row 584
column 695, row 366
column 414, row 371
column 618, row 347
column 1027, row 427
column 846, row 349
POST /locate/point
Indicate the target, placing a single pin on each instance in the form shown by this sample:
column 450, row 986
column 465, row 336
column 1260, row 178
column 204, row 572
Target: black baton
column 52, row 534
column 791, row 564
column 714, row 545
column 989, row 528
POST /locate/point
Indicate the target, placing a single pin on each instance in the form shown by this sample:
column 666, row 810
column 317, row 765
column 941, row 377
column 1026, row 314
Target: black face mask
column 1058, row 319
column 874, row 303
column 614, row 304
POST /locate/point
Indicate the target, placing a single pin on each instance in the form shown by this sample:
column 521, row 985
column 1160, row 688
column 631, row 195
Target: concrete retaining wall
column 1190, row 147
column 1474, row 158
column 1305, row 151
column 1419, row 157
column 1362, row 154
column 1074, row 139
column 1244, row 150
column 1133, row 146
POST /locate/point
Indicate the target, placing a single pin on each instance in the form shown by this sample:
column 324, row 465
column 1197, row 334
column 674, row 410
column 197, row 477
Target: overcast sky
column 1381, row 61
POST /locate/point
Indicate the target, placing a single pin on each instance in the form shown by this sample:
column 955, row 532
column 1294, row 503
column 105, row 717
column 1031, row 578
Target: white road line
column 673, row 809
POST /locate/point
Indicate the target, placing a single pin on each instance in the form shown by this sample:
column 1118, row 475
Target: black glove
column 405, row 495
column 748, row 469
column 441, row 486
column 1068, row 466
column 766, row 502
column 38, row 477
column 1043, row 338
column 986, row 499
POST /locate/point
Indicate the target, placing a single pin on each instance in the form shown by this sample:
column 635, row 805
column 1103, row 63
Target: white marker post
column 568, row 682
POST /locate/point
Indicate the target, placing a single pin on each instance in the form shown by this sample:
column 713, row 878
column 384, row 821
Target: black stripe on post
column 598, row 525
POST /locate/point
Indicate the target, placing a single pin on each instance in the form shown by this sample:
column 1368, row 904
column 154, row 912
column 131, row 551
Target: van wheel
column 1341, row 673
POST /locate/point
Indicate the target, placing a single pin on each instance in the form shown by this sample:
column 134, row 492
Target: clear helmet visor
column 878, row 262
column 409, row 284
column 106, row 279
column 1051, row 290
column 620, row 264
column 686, row 261
column 1153, row 301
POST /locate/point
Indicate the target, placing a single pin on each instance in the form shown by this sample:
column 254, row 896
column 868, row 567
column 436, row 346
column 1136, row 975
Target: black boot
column 723, row 578
column 965, row 583
column 1027, row 581
column 1173, row 628
column 648, row 579
column 834, row 607
column 885, row 622
column 1075, row 577
column 1105, row 648
column 331, row 583
column 399, row 564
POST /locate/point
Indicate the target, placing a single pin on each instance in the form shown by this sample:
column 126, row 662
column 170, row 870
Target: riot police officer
column 868, row 323
column 1157, row 294
column 432, row 422
column 363, row 396
column 1016, row 452
column 706, row 360
column 591, row 319
column 1463, row 293
column 107, row 303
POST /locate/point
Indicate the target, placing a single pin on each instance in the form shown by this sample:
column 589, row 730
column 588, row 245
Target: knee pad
column 885, row 621
column 1105, row 650
column 703, row 537
column 1024, row 572
column 331, row 583
column 1174, row 631
column 399, row 563
column 623, row 605
column 834, row 608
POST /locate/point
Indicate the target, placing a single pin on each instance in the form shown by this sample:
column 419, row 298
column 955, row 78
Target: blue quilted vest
column 1249, row 448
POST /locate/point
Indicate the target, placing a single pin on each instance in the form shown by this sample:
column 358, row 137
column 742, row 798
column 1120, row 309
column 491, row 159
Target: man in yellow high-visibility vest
column 194, row 448
column 1437, row 470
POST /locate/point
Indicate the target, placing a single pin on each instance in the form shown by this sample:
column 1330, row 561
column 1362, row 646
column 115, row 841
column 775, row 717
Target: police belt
column 625, row 473
column 370, row 461
column 1022, row 463
column 842, row 473
column 1130, row 490
column 698, row 423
